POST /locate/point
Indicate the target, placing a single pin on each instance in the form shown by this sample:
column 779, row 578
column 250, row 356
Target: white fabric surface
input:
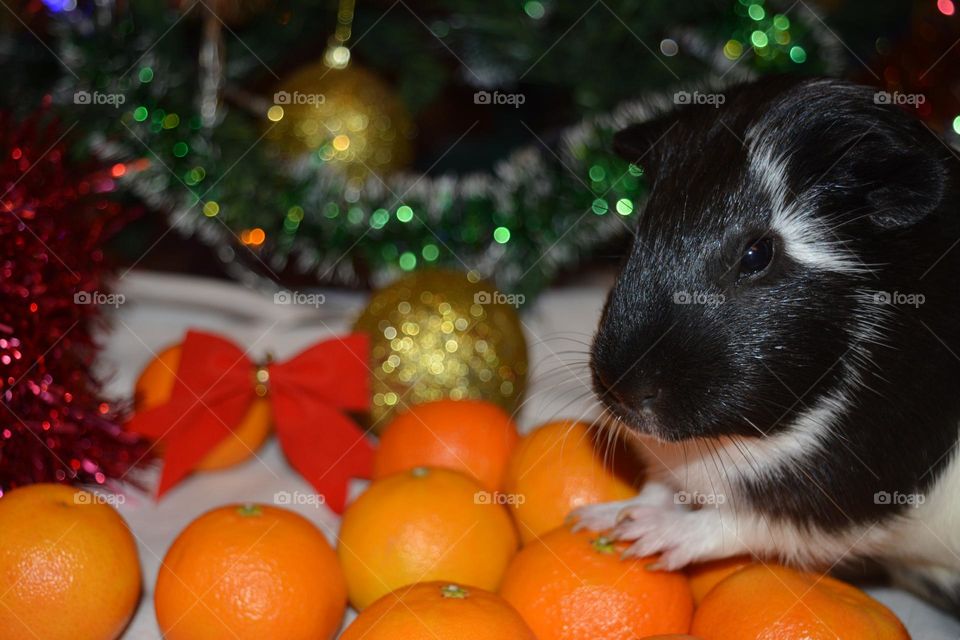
column 158, row 309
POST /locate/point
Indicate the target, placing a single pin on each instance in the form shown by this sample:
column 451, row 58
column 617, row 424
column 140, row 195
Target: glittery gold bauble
column 442, row 334
column 347, row 117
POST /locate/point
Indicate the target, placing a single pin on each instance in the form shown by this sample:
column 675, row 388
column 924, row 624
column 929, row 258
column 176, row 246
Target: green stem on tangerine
column 248, row 510
column 603, row 544
column 454, row 591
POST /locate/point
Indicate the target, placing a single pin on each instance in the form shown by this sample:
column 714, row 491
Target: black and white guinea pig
column 784, row 337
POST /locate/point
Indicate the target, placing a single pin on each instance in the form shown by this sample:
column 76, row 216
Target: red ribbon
column 216, row 383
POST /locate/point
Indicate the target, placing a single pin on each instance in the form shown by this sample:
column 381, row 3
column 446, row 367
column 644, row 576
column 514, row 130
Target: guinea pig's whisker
column 614, row 440
column 726, row 476
column 755, row 427
column 584, row 356
column 542, row 377
column 711, row 451
column 577, row 398
column 566, row 336
column 566, row 434
column 576, row 370
column 747, row 455
column 543, row 394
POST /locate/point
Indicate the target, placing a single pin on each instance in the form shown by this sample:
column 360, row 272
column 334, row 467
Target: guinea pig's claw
column 595, row 517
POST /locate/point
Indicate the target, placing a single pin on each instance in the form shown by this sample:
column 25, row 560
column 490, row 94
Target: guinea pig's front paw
column 606, row 515
column 599, row 517
column 679, row 537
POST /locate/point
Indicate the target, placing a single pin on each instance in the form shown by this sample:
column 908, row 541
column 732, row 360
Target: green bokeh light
column 430, row 252
column 534, row 9
column 379, row 218
column 408, row 261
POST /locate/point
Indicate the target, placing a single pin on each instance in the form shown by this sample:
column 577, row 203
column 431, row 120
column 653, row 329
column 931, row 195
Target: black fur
column 888, row 190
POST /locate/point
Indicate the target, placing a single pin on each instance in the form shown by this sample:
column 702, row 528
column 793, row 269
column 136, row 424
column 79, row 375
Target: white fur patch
column 929, row 533
column 808, row 240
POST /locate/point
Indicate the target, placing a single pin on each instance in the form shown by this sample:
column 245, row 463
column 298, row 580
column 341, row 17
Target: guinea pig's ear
column 905, row 184
column 887, row 160
column 638, row 143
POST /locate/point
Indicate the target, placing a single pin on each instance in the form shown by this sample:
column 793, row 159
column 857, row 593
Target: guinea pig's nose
column 647, row 396
column 643, row 399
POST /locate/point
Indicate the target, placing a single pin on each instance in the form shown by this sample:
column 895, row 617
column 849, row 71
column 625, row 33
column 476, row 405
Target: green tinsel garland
column 542, row 209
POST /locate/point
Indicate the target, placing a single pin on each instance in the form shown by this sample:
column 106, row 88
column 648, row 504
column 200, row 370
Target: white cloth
column 158, row 309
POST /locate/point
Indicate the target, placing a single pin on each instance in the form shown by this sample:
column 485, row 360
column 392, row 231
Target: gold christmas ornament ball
column 347, row 117
column 438, row 334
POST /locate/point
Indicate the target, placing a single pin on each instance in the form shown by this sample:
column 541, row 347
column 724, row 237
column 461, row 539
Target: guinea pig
column 784, row 336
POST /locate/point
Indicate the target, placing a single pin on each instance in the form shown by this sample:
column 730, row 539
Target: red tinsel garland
column 54, row 424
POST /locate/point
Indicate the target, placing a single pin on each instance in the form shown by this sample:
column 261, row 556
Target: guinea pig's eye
column 756, row 257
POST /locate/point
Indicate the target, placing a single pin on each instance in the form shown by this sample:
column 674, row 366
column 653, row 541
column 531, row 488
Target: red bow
column 216, row 383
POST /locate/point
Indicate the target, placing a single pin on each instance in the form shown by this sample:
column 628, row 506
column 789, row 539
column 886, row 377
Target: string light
column 253, row 237
column 534, row 9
